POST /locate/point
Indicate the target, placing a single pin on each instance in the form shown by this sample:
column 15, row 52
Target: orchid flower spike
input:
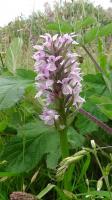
column 58, row 79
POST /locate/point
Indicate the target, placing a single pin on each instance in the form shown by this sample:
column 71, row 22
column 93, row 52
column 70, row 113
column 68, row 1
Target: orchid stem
column 65, row 153
column 64, row 143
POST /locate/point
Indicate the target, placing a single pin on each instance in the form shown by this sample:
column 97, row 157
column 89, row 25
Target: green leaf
column 102, row 57
column 63, row 26
column 106, row 109
column 85, row 125
column 33, row 129
column 106, row 30
column 95, row 79
column 8, row 174
column 3, row 125
column 26, row 74
column 76, row 140
column 96, row 82
column 108, row 82
column 96, row 32
column 101, row 99
column 91, row 35
column 13, row 55
column 23, row 152
column 84, row 23
column 12, row 90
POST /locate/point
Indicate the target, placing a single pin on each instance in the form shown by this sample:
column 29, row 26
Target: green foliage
column 85, row 23
column 28, row 147
column 24, row 151
column 96, row 32
column 75, row 139
column 12, row 90
column 45, row 190
column 13, row 55
column 60, row 27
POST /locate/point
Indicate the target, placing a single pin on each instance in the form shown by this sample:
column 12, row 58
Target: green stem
column 105, row 177
column 65, row 153
column 64, row 143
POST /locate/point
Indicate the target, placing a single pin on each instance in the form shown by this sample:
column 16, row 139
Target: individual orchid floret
column 49, row 116
column 58, row 79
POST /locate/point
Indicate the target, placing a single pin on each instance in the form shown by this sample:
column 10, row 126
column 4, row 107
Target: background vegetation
column 29, row 151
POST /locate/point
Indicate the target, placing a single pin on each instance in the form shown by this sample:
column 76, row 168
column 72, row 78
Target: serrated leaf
column 24, row 152
column 11, row 90
column 76, row 140
column 33, row 129
column 84, row 125
column 96, row 82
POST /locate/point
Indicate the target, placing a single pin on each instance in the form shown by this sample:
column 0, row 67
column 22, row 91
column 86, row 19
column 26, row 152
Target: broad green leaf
column 84, row 23
column 106, row 109
column 93, row 109
column 11, row 90
column 75, row 139
column 13, row 55
column 106, row 30
column 26, row 74
column 94, row 79
column 84, row 125
column 95, row 82
column 64, row 27
column 91, row 35
column 101, row 99
column 33, row 129
column 96, row 32
column 36, row 128
column 24, row 153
